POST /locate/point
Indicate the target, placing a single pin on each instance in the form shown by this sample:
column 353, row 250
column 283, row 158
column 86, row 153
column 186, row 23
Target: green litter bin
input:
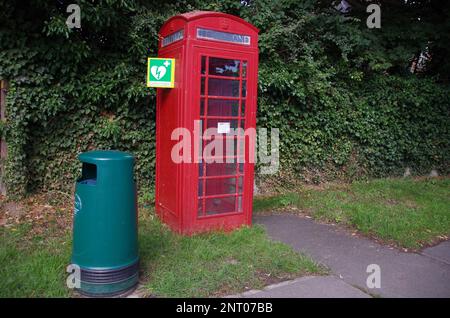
column 105, row 243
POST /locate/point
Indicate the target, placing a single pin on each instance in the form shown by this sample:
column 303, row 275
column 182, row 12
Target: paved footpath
column 424, row 274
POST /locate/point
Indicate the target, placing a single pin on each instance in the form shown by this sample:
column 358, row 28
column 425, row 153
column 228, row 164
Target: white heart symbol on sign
column 158, row 71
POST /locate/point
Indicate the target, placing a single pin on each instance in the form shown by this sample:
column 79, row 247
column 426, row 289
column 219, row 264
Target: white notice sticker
column 223, row 128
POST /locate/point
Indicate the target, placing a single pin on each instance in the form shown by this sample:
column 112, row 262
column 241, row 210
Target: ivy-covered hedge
column 338, row 91
column 376, row 128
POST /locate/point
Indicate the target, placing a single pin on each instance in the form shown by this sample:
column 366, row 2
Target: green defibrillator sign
column 160, row 72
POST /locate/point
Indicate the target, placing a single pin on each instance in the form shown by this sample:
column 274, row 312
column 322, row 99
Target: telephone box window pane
column 239, row 204
column 231, row 146
column 243, row 107
column 200, row 170
column 220, row 169
column 203, row 65
column 202, row 86
column 223, row 107
column 200, row 187
column 241, row 168
column 220, row 205
column 228, row 146
column 200, row 141
column 200, row 207
column 223, row 67
column 243, row 124
column 223, row 87
column 240, row 184
column 241, row 146
column 244, row 88
column 220, row 186
column 244, row 69
column 202, row 107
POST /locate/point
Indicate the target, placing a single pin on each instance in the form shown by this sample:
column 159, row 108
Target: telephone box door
column 225, row 97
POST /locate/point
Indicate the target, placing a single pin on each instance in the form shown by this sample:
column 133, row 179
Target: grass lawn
column 33, row 265
column 410, row 213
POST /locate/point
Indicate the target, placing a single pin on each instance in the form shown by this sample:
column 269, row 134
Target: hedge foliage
column 339, row 92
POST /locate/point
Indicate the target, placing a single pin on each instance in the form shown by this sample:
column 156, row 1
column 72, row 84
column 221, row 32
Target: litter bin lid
column 98, row 156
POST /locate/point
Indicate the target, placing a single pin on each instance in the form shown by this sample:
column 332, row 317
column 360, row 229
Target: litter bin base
column 109, row 283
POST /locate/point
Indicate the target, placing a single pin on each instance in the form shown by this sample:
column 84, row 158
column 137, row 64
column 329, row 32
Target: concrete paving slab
column 402, row 274
column 440, row 252
column 307, row 287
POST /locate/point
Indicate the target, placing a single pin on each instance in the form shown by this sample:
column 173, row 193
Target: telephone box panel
column 213, row 106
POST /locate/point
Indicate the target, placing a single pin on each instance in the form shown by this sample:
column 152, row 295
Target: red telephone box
column 216, row 65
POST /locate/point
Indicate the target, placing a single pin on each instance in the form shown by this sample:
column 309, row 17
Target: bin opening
column 88, row 174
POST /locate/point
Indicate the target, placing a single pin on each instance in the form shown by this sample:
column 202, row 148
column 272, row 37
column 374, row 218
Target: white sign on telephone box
column 223, row 128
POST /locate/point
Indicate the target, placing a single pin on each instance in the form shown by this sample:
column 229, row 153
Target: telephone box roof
column 194, row 15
